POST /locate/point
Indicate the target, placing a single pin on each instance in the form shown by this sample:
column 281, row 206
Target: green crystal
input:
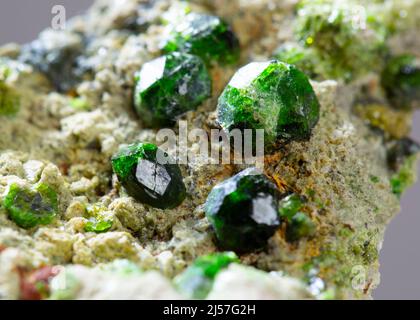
column 197, row 280
column 273, row 96
column 31, row 207
column 299, row 226
column 348, row 39
column 206, row 36
column 401, row 81
column 146, row 179
column 9, row 100
column 99, row 221
column 169, row 86
column 289, row 206
column 243, row 211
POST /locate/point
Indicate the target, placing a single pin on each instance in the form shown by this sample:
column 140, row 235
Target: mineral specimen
column 243, row 211
column 273, row 96
column 206, row 36
column 146, row 179
column 401, row 81
column 31, row 207
column 169, row 86
column 346, row 179
column 197, row 280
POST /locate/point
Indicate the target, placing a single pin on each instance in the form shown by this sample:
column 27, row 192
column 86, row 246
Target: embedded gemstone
column 31, row 207
column 401, row 81
column 197, row 280
column 206, row 36
column 243, row 211
column 273, row 96
column 148, row 180
column 170, row 86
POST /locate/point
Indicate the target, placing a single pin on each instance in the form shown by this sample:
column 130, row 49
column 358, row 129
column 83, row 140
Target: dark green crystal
column 31, row 207
column 243, row 211
column 146, row 179
column 299, row 226
column 273, row 96
column 169, row 86
column 401, row 81
column 197, row 280
column 206, row 36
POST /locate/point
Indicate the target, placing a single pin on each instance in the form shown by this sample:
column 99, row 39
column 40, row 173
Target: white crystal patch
column 245, row 75
column 151, row 72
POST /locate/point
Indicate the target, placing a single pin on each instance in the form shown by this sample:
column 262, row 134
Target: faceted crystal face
column 273, row 96
column 244, row 211
column 158, row 182
column 145, row 179
column 31, row 207
column 169, row 86
column 206, row 36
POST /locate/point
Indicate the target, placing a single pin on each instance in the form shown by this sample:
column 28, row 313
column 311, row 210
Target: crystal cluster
column 197, row 280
